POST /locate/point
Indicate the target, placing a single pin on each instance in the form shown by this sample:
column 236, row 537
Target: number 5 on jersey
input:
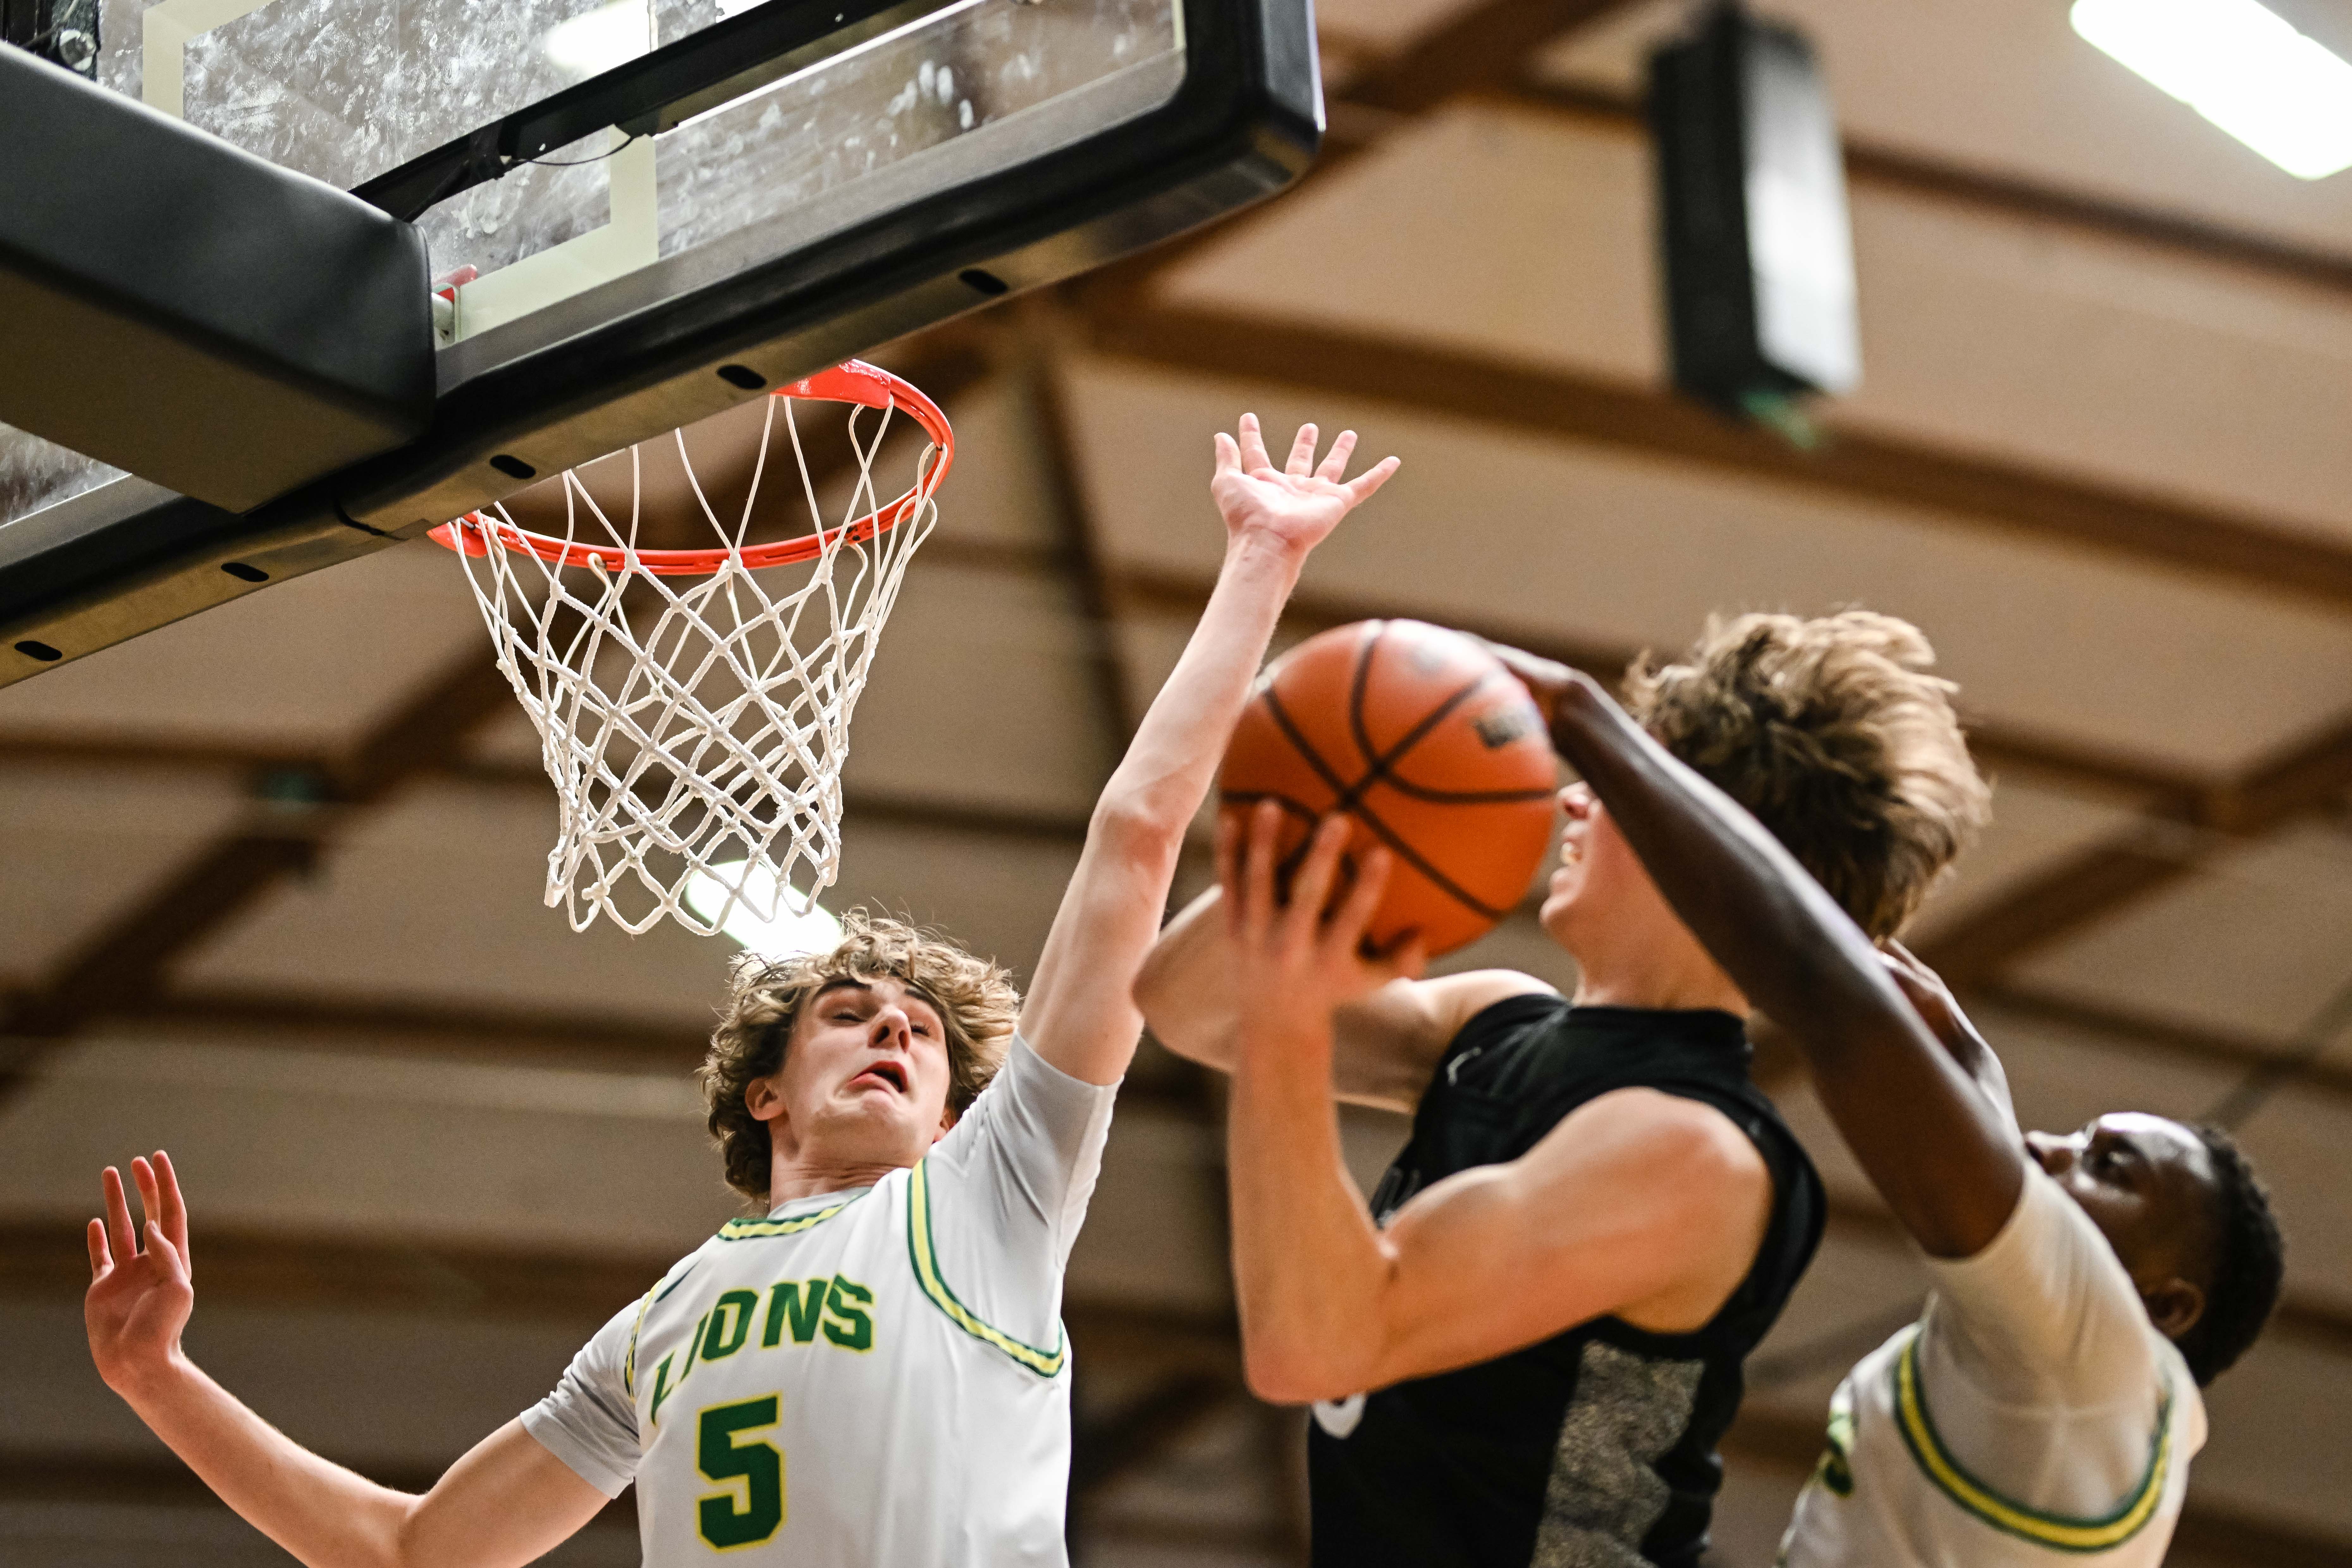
column 758, row 1466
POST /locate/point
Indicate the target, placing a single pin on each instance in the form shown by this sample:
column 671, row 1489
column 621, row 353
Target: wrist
column 1288, row 1044
column 1255, row 544
column 149, row 1380
column 1577, row 705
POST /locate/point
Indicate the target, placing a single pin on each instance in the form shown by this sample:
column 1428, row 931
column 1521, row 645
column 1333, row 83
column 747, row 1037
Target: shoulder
column 1682, row 1151
column 1490, row 999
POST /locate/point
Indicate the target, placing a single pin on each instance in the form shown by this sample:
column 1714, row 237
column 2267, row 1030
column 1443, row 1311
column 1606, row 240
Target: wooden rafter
column 1870, row 166
column 129, row 955
column 2084, row 768
column 2096, row 882
column 1481, row 45
column 2145, row 1033
column 1568, row 406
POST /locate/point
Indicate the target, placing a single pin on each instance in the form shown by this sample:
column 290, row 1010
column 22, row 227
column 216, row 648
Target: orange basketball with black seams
column 1432, row 748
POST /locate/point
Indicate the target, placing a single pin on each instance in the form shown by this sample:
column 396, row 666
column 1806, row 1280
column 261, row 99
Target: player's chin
column 1558, row 909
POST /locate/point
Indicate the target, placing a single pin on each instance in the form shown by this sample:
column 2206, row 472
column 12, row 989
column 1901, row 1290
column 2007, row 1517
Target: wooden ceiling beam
column 1564, row 405
column 1872, row 166
column 129, row 954
column 1485, row 44
column 2085, row 768
column 2145, row 1033
column 2098, row 882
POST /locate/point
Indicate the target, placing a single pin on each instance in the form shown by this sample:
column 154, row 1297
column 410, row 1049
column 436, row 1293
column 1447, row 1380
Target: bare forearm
column 1081, row 1014
column 326, row 1516
column 1310, row 1270
column 1166, row 772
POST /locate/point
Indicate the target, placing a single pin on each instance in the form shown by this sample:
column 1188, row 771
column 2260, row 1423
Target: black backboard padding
column 180, row 308
column 1247, row 122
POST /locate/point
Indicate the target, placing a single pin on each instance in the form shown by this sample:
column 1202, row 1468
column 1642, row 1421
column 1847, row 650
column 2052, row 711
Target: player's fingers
column 1311, row 885
column 159, row 1248
column 1408, row 956
column 1229, row 867
column 1353, row 918
column 117, row 1216
column 175, row 1208
column 1257, row 868
column 1229, row 454
column 151, row 1199
column 1361, row 488
column 1335, row 463
column 1302, row 452
column 1253, row 456
column 99, row 1263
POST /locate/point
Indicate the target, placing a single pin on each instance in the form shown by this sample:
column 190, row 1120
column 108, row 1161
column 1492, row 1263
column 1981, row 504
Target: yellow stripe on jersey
column 748, row 1229
column 2059, row 1533
column 1046, row 1363
column 662, row 1287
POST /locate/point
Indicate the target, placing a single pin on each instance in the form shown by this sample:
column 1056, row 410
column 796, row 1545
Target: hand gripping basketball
column 1299, row 958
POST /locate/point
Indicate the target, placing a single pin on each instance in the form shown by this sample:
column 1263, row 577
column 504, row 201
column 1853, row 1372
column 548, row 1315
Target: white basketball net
column 696, row 725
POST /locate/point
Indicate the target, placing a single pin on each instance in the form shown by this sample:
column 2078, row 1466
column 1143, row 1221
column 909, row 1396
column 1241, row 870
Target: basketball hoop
column 699, row 731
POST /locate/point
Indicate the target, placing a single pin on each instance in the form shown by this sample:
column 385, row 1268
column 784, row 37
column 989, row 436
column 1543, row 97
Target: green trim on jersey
column 661, row 1287
column 753, row 1229
column 1045, row 1363
column 2059, row 1533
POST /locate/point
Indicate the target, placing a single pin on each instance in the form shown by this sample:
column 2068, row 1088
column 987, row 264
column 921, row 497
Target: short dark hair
column 2249, row 1257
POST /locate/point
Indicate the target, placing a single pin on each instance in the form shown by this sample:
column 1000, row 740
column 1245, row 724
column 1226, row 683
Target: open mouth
column 888, row 1073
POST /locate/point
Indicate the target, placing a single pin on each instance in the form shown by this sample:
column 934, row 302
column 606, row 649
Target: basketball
column 1433, row 749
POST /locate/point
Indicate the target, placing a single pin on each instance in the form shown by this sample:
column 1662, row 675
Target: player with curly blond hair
column 1525, row 1347
column 870, row 1370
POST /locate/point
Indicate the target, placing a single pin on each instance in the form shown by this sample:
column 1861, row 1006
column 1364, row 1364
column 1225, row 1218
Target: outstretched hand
column 138, row 1299
column 1298, row 504
column 1294, row 962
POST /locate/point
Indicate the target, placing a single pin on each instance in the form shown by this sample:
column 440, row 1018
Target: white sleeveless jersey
column 868, row 1377
column 2032, row 1417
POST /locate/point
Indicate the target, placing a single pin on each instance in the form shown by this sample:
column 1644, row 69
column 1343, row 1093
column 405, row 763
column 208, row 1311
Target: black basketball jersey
column 1595, row 1448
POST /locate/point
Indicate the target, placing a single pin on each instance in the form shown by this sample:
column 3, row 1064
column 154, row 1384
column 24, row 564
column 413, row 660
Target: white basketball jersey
column 2033, row 1416
column 831, row 1385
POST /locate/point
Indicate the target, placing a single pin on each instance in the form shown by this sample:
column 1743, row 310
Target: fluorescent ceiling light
column 782, row 933
column 2241, row 66
column 598, row 40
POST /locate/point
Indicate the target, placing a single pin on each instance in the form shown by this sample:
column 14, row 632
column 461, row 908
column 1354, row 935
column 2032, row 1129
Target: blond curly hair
column 976, row 1001
column 1833, row 734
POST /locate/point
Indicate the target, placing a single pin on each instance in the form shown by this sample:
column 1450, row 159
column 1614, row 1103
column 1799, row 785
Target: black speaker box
column 1759, row 255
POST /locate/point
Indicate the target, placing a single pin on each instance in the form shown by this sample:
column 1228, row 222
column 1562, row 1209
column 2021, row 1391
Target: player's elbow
column 1137, row 828
column 1292, row 1373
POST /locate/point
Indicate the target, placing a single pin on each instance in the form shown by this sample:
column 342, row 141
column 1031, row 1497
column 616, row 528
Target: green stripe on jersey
column 2059, row 1533
column 1045, row 1363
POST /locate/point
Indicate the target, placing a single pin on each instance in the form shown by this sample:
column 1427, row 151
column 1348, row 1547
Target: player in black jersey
column 1527, row 1347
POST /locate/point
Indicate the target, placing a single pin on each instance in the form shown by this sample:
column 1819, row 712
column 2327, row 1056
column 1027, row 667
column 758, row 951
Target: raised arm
column 507, row 1502
column 1948, row 1160
column 1080, row 1013
column 1384, row 1047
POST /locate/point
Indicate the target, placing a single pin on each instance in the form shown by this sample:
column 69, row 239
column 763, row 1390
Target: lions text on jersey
column 860, row 1377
